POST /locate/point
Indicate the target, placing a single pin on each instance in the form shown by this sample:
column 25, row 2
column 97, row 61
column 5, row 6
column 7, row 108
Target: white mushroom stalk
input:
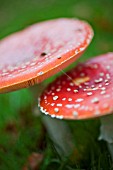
column 58, row 131
column 61, row 136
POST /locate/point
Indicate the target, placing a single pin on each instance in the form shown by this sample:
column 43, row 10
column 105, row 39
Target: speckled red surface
column 41, row 50
column 85, row 92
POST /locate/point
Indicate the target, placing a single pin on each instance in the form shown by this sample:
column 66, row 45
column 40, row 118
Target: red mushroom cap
column 86, row 91
column 36, row 53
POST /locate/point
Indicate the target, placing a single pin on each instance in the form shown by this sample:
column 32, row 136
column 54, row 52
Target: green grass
column 21, row 131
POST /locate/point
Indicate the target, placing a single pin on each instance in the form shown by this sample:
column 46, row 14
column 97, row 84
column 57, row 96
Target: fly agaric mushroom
column 84, row 92
column 34, row 54
column 38, row 52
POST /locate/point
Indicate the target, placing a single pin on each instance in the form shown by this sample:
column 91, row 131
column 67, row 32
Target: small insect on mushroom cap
column 41, row 50
column 86, row 91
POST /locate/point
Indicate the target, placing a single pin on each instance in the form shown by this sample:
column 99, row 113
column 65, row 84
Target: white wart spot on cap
column 71, row 84
column 89, row 93
column 69, row 106
column 97, row 112
column 99, row 80
column 55, row 97
column 101, row 74
column 56, row 110
column 69, row 99
column 64, row 99
column 68, row 89
column 75, row 91
column 108, row 67
column 79, row 100
column 103, row 92
column 52, row 104
column 40, row 73
column 95, row 100
column 76, row 105
column 59, row 104
column 58, row 90
column 75, row 113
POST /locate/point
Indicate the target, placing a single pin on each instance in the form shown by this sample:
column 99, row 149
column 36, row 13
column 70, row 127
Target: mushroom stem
column 60, row 135
column 106, row 132
column 58, row 130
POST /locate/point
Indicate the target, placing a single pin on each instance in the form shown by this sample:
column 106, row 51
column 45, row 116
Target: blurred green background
column 21, row 131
